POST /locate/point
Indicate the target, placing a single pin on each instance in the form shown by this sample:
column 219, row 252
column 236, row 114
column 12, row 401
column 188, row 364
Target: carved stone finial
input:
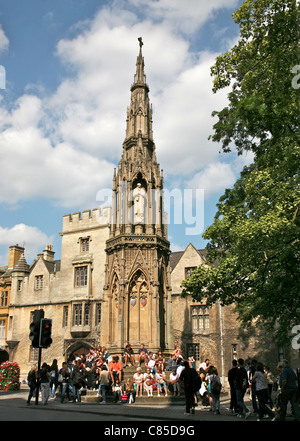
column 140, row 41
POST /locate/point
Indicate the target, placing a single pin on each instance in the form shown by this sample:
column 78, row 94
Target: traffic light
column 35, row 334
column 45, row 333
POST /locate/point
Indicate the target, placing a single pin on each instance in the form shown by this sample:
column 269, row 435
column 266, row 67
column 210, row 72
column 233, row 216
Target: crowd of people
column 260, row 382
column 100, row 371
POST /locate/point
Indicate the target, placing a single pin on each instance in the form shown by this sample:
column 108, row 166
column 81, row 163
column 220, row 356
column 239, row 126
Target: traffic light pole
column 38, row 382
column 40, row 336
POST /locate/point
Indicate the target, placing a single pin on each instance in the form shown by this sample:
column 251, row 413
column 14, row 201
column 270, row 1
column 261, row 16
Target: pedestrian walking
column 262, row 392
column 53, row 378
column 270, row 380
column 103, row 383
column 44, row 375
column 76, row 382
column 64, row 374
column 191, row 385
column 241, row 385
column 215, row 387
column 288, row 385
column 31, row 381
column 231, row 380
column 251, row 372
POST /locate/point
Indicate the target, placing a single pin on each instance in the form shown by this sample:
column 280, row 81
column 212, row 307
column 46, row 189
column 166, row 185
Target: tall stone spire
column 139, row 113
column 138, row 169
column 137, row 292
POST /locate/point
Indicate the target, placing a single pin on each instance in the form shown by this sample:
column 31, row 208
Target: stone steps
column 91, row 396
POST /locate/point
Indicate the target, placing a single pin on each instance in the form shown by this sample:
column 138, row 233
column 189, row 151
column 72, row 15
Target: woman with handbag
column 138, row 379
column 148, row 386
column 160, row 379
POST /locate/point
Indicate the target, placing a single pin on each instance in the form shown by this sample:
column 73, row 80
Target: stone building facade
column 117, row 280
column 15, row 253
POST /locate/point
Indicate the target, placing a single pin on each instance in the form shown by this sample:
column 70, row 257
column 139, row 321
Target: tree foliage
column 254, row 242
column 263, row 105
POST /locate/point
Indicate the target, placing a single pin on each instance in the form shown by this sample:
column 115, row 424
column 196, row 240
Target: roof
column 177, row 255
column 52, row 267
column 22, row 265
column 3, row 269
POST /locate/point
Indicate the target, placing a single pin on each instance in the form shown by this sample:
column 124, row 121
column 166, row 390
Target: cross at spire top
column 140, row 77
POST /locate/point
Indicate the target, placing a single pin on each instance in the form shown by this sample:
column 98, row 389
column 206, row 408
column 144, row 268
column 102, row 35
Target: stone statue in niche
column 139, row 195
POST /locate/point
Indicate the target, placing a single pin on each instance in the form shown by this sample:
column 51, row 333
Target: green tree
column 263, row 105
column 253, row 250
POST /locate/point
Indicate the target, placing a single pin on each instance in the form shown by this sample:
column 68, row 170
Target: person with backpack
column 215, row 387
column 241, row 384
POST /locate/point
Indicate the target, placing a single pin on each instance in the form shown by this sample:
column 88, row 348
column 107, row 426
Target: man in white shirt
column 174, row 380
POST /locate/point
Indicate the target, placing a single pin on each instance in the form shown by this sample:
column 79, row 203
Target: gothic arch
column 114, row 271
column 114, row 304
column 77, row 348
column 139, row 265
column 138, row 304
column 139, row 282
column 139, row 178
column 115, row 287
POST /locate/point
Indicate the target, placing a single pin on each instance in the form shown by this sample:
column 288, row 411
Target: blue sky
column 69, row 67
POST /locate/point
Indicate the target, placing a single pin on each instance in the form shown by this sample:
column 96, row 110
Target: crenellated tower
column 137, row 293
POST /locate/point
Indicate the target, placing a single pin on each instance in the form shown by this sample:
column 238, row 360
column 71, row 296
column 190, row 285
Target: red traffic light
column 45, row 333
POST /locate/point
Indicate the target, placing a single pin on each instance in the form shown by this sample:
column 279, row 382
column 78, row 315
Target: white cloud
column 93, row 103
column 32, row 167
column 4, row 42
column 215, row 178
column 186, row 16
column 180, row 91
column 183, row 120
column 62, row 147
column 32, row 238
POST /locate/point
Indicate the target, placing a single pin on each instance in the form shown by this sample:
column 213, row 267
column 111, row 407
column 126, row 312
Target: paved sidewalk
column 119, row 412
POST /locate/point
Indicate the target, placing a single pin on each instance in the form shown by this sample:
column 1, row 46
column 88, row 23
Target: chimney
column 49, row 253
column 15, row 252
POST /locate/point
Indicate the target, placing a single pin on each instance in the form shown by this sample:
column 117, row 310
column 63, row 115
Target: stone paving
column 142, row 412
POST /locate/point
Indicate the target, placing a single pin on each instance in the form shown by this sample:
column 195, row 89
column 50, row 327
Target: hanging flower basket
column 9, row 376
